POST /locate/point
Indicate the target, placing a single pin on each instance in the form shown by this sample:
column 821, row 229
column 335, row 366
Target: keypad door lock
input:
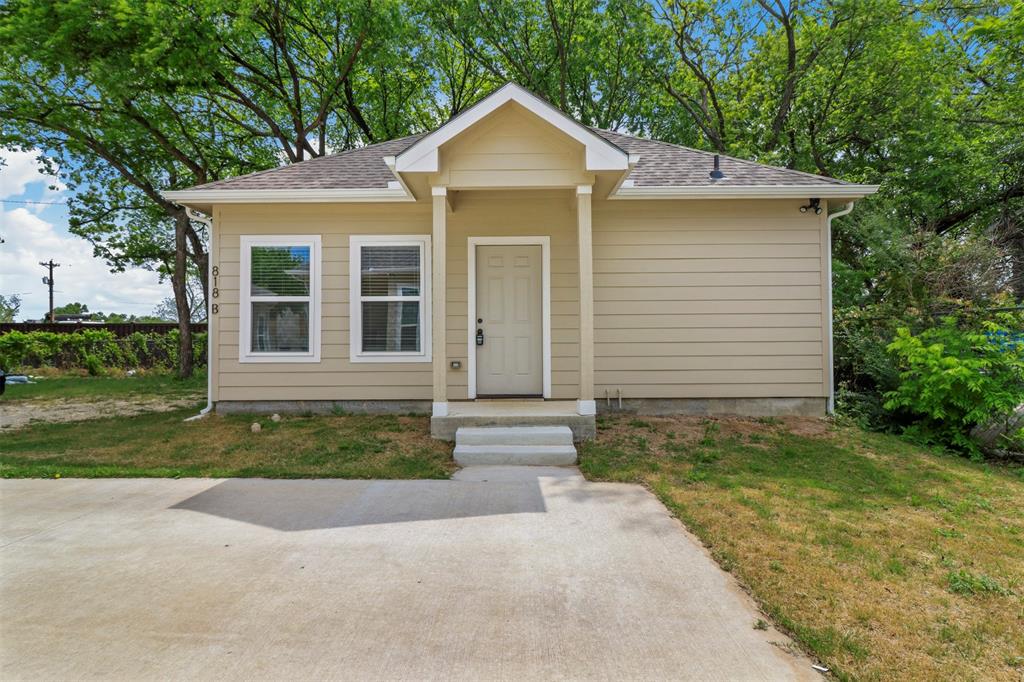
column 479, row 337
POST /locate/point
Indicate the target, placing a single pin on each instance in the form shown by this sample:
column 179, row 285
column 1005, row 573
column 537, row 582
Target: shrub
column 953, row 379
column 94, row 350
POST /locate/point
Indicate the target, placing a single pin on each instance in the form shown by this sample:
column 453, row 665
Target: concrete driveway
column 502, row 573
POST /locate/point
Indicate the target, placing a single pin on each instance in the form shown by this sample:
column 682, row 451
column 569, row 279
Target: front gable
column 511, row 147
column 598, row 154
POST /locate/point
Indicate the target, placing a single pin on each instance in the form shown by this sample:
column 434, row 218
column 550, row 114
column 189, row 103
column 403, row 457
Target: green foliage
column 9, row 307
column 75, row 308
column 953, row 378
column 94, row 350
column 967, row 583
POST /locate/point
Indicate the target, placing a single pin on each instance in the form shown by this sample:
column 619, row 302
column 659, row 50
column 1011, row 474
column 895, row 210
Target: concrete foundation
column 323, row 406
column 709, row 407
column 534, row 413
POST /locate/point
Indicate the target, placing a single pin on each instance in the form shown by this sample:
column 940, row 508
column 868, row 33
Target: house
column 513, row 255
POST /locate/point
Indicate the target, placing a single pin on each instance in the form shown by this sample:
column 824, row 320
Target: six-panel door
column 509, row 309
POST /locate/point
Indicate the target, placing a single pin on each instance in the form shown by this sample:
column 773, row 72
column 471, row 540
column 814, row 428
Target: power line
column 23, row 201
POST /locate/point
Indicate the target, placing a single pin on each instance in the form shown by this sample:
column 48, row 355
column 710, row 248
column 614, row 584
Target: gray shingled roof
column 662, row 164
column 361, row 168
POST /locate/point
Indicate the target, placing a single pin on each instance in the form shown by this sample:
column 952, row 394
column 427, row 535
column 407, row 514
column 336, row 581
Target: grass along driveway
column 885, row 560
column 162, row 444
column 69, row 398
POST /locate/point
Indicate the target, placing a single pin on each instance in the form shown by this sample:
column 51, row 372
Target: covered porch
column 512, row 345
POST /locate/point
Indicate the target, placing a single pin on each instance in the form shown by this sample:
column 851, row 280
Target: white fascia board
column 389, row 161
column 423, row 157
column 747, row 192
column 287, row 196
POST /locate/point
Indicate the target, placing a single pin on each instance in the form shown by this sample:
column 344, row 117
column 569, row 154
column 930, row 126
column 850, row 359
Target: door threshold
column 510, row 397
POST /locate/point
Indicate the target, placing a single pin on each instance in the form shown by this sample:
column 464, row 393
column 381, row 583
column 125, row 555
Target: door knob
column 479, row 337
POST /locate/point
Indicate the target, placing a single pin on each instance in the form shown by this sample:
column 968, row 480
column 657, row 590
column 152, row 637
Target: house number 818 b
column 215, row 292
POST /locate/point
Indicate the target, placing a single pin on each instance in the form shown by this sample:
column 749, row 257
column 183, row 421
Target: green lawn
column 162, row 444
column 885, row 560
column 79, row 387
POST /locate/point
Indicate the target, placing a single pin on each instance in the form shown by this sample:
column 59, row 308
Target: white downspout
column 831, row 408
column 208, row 221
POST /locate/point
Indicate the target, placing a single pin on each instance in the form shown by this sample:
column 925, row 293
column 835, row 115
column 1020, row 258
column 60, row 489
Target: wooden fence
column 116, row 328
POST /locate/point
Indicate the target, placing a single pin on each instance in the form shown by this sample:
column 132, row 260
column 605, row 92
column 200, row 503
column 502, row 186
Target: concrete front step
column 514, row 435
column 516, row 445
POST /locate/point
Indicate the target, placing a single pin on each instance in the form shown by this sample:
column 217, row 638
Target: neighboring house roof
column 657, row 169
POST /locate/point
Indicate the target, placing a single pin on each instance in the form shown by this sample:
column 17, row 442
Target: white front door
column 509, row 330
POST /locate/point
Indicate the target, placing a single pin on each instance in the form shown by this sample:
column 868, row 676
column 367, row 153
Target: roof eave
column 748, row 192
column 289, row 196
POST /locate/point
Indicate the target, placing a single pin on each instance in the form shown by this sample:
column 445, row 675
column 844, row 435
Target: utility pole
column 49, row 282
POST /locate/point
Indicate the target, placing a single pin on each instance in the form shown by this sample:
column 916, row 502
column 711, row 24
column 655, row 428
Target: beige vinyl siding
column 512, row 148
column 709, row 299
column 693, row 299
column 517, row 213
column 334, row 377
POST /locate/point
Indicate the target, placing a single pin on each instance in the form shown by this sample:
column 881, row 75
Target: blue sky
column 34, row 232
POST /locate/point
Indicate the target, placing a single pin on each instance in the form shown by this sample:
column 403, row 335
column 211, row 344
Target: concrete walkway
column 501, row 574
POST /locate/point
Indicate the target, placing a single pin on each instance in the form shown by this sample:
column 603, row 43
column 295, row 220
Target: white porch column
column 586, row 404
column 438, row 293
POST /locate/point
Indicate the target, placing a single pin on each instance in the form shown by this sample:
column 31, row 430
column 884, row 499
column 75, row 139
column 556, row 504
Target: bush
column 94, row 350
column 954, row 378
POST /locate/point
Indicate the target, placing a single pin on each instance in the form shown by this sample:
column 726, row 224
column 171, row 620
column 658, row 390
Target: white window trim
column 356, row 242
column 245, row 354
column 545, row 247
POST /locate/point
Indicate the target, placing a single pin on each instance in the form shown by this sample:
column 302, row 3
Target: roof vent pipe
column 717, row 173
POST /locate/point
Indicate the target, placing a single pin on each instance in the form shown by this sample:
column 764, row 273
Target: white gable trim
column 423, row 157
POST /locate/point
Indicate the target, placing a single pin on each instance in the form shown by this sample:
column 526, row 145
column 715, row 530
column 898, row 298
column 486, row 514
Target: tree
column 133, row 100
column 75, row 308
column 94, row 85
column 584, row 56
column 10, row 306
column 167, row 310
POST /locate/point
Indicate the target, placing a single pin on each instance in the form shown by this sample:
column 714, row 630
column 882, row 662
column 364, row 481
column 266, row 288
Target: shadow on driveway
column 295, row 505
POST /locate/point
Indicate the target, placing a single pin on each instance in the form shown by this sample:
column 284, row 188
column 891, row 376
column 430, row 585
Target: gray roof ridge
column 824, row 178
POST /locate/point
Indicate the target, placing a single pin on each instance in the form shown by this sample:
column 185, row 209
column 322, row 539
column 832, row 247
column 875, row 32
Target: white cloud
column 80, row 277
column 31, row 236
column 21, row 169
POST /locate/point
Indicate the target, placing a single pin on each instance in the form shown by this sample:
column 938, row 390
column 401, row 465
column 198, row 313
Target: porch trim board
column 545, row 243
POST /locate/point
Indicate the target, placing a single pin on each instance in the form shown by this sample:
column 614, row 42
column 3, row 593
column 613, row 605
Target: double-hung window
column 389, row 286
column 280, row 299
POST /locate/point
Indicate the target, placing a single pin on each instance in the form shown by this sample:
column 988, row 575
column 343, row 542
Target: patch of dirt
column 17, row 414
column 691, row 428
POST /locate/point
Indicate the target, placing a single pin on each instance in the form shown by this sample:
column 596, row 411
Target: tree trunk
column 179, row 282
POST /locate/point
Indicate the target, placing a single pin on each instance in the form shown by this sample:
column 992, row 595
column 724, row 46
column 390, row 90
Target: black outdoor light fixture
column 813, row 205
column 716, row 173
